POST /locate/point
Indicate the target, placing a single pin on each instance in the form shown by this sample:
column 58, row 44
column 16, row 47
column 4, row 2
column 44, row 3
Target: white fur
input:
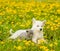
column 37, row 34
column 16, row 34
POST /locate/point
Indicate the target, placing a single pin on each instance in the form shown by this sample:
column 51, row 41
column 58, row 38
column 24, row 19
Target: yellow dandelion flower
column 50, row 7
column 51, row 45
column 57, row 5
column 0, row 23
column 19, row 48
column 48, row 22
column 56, row 28
column 57, row 25
column 1, row 13
column 42, row 47
column 17, row 23
column 2, row 42
column 12, row 3
column 48, row 27
column 14, row 11
column 52, row 28
column 56, row 20
column 56, row 43
column 51, row 18
column 40, row 41
column 27, row 43
column 58, row 11
column 9, row 10
column 43, row 5
column 46, row 49
column 12, row 22
column 15, row 46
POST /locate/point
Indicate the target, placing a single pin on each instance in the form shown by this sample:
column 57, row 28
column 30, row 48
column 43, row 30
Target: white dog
column 37, row 31
column 37, row 28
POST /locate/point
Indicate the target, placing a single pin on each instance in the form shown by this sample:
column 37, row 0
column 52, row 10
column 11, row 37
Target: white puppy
column 37, row 31
column 37, row 28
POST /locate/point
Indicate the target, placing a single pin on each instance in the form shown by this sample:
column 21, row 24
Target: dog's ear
column 33, row 20
column 43, row 22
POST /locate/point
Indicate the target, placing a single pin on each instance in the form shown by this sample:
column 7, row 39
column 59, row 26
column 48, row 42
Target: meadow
column 16, row 14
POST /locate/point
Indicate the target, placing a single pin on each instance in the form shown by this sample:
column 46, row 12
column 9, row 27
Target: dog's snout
column 40, row 29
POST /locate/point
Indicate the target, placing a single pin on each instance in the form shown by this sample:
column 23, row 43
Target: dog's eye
column 37, row 25
column 41, row 26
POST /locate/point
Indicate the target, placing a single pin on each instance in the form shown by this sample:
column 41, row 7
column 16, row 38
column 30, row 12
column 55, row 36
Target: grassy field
column 17, row 15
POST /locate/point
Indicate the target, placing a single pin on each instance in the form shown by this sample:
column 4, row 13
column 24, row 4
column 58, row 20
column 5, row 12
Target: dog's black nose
column 41, row 29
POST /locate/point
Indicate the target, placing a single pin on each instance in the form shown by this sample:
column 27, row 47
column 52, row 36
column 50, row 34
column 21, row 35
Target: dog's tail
column 11, row 31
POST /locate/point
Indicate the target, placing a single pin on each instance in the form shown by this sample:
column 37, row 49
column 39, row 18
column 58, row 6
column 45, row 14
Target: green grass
column 15, row 14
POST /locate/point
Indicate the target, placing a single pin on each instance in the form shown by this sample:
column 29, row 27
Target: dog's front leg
column 34, row 40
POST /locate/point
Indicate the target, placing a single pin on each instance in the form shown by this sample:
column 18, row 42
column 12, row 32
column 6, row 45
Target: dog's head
column 38, row 25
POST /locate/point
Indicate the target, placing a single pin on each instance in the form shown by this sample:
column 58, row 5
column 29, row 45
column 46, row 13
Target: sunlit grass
column 18, row 15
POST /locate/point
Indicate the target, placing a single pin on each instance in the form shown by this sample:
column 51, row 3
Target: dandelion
column 58, row 11
column 0, row 23
column 55, row 43
column 40, row 41
column 52, row 18
column 52, row 28
column 51, row 45
column 1, row 13
column 12, row 22
column 48, row 27
column 15, row 46
column 2, row 42
column 19, row 48
column 48, row 22
column 27, row 43
column 42, row 47
column 9, row 10
column 14, row 11
column 56, row 20
column 46, row 49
